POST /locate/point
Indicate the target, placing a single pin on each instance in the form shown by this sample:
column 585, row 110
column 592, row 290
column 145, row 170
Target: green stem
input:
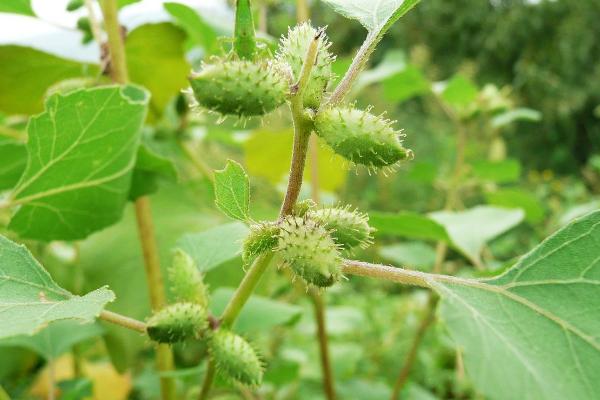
column 121, row 320
column 302, row 128
column 118, row 62
column 319, row 309
column 244, row 43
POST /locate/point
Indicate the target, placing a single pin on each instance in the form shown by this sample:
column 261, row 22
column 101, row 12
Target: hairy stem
column 319, row 308
column 452, row 200
column 164, row 356
column 301, row 134
column 121, row 320
column 385, row 272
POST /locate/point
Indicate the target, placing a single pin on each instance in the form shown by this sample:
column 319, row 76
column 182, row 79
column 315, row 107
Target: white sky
column 53, row 31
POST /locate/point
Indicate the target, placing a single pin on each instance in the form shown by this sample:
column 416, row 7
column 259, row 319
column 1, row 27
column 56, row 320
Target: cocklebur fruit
column 242, row 88
column 360, row 136
column 263, row 237
column 177, row 322
column 309, row 251
column 186, row 281
column 349, row 228
column 302, row 207
column 293, row 49
column 235, row 358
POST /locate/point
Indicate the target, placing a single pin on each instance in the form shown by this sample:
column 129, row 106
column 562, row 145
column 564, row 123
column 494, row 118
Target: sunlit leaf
column 536, row 325
column 30, row 299
column 81, row 153
column 232, row 191
column 471, row 229
column 518, row 114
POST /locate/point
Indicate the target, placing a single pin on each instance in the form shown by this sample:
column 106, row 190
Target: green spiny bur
column 241, row 88
column 293, row 49
column 263, row 237
column 361, row 137
column 186, row 281
column 177, row 322
column 307, row 248
column 349, row 228
column 302, row 207
column 235, row 358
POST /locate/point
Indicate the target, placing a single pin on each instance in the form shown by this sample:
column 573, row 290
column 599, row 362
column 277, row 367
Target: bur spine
column 360, row 136
column 235, row 358
column 177, row 323
column 309, row 251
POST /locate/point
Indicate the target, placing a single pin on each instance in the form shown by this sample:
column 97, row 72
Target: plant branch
column 302, row 126
column 319, row 309
column 387, row 273
column 121, row 320
column 358, row 63
column 164, row 356
column 94, row 24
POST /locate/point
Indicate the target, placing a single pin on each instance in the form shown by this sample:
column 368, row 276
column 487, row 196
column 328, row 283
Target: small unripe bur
column 306, row 247
column 177, row 322
column 293, row 49
column 263, row 237
column 186, row 281
column 348, row 228
column 302, row 207
column 235, row 358
column 360, row 136
column 241, row 88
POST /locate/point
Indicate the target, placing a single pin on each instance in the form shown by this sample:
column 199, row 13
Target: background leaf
column 149, row 168
column 232, row 191
column 13, row 156
column 30, row 299
column 57, row 338
column 407, row 224
column 81, row 153
column 197, row 29
column 469, row 234
column 534, row 326
column 373, row 15
column 17, row 7
column 213, row 247
column 26, row 74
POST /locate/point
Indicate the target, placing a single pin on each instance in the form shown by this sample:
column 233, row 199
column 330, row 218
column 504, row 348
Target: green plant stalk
column 452, row 200
column 121, row 320
column 319, row 309
column 164, row 356
column 302, row 129
column 244, row 42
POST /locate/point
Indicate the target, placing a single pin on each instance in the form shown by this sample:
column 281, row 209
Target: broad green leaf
column 406, row 84
column 197, row 29
column 17, row 7
column 375, row 16
column 268, row 155
column 518, row 114
column 149, row 168
column 416, row 255
column 579, row 210
column 57, row 338
column 155, row 60
column 13, row 156
column 259, row 313
column 213, row 247
column 517, row 198
column 459, row 91
column 26, row 74
column 30, row 299
column 232, row 191
column 81, row 153
column 407, row 224
column 532, row 332
column 76, row 389
column 393, row 63
column 471, row 229
column 504, row 171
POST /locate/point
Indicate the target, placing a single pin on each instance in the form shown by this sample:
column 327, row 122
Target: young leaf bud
column 348, row 228
column 186, row 281
column 293, row 49
column 241, row 88
column 235, row 358
column 263, row 237
column 360, row 136
column 177, row 322
column 309, row 251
